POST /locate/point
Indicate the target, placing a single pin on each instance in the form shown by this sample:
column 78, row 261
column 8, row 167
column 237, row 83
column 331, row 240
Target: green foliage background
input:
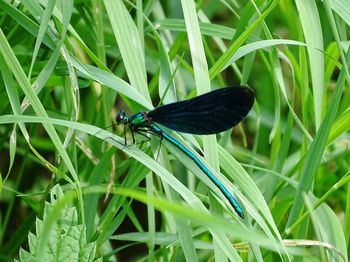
column 68, row 66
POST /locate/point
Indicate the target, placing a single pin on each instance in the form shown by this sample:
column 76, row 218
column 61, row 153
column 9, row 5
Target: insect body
column 211, row 113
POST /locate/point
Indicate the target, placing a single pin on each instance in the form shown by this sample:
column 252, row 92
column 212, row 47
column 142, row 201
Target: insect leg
column 124, row 131
column 151, row 131
column 143, row 133
column 132, row 134
column 160, row 145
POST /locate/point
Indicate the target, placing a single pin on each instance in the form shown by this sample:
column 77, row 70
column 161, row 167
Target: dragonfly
column 210, row 113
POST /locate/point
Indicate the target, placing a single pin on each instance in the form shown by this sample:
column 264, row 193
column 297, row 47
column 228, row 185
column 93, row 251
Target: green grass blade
column 17, row 71
column 129, row 44
column 314, row 155
column 311, row 24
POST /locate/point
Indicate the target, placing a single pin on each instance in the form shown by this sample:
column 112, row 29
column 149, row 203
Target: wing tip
column 248, row 92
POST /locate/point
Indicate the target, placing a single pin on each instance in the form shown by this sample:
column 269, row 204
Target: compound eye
column 120, row 117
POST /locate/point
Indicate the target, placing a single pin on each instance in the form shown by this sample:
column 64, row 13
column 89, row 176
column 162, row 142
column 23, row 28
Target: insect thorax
column 139, row 120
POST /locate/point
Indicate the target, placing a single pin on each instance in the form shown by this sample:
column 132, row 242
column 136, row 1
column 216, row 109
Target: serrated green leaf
column 66, row 238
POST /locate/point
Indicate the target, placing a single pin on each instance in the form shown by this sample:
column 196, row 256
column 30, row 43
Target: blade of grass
column 44, row 24
column 24, row 83
column 202, row 81
column 219, row 65
column 314, row 154
column 127, row 37
column 310, row 22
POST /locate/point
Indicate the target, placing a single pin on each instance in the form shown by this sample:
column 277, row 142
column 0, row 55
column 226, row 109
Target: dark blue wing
column 210, row 113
